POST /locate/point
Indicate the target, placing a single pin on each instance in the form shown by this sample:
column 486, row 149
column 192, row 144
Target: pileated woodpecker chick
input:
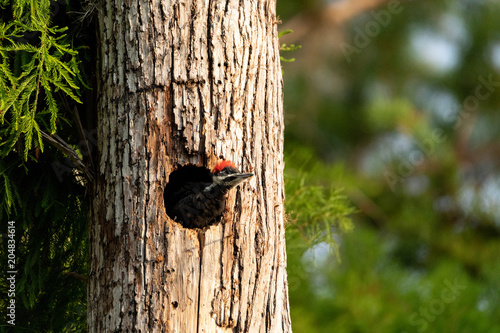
column 196, row 197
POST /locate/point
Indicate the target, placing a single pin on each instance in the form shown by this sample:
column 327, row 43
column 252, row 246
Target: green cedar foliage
column 319, row 214
column 40, row 190
column 316, row 213
column 287, row 48
column 31, row 73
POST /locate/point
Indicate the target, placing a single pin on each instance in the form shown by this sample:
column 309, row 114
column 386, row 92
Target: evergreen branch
column 67, row 90
column 81, row 133
column 14, row 96
column 28, row 123
column 39, row 135
column 51, row 104
column 19, row 47
column 78, row 276
column 34, row 68
column 5, row 72
column 284, row 32
column 8, row 192
column 66, row 149
column 285, row 47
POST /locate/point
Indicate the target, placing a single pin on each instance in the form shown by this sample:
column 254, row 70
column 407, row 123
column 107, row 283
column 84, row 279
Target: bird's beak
column 245, row 175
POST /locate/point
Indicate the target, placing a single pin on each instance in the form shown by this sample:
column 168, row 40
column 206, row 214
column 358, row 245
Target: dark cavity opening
column 185, row 181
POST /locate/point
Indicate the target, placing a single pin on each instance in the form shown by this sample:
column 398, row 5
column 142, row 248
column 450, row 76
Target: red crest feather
column 223, row 164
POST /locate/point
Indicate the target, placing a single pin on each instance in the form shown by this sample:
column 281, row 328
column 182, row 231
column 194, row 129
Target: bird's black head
column 225, row 173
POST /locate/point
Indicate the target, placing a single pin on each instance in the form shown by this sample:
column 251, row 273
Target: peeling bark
column 188, row 82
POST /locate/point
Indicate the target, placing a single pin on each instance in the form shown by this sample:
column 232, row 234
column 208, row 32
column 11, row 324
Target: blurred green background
column 392, row 109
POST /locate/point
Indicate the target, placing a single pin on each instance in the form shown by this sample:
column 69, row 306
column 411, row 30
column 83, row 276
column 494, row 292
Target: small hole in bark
column 175, row 304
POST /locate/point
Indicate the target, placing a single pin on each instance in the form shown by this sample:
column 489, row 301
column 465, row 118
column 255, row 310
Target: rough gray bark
column 188, row 82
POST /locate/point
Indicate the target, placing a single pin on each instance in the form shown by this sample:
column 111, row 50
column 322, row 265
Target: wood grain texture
column 188, row 82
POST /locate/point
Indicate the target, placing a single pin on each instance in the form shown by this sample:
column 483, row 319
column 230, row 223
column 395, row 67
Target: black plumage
column 196, row 197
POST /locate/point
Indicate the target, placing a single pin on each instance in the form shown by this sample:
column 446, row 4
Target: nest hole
column 175, row 190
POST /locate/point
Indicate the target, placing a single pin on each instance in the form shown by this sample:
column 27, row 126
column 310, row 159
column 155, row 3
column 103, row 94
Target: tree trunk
column 188, row 82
